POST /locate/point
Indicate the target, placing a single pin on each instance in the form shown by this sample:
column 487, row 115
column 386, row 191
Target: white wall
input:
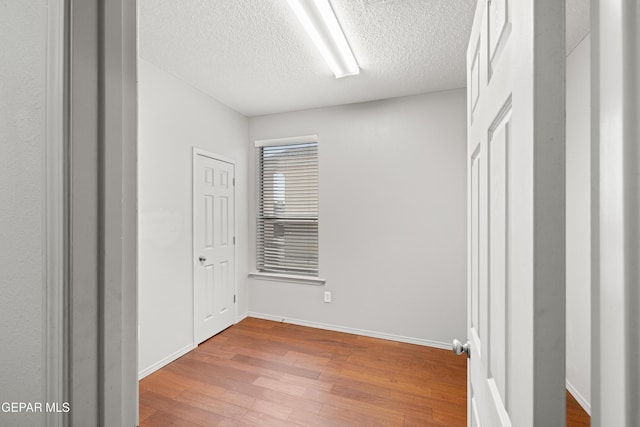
column 174, row 117
column 392, row 218
column 579, row 224
column 22, row 148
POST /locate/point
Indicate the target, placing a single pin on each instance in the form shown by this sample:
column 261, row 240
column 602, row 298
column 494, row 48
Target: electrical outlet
column 327, row 296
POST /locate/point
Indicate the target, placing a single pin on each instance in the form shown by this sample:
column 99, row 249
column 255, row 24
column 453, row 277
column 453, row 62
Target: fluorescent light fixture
column 318, row 19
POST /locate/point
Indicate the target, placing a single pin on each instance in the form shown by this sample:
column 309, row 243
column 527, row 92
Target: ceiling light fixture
column 320, row 22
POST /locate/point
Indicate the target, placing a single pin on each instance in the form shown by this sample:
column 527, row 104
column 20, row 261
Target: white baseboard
column 151, row 369
column 242, row 317
column 355, row 331
column 580, row 398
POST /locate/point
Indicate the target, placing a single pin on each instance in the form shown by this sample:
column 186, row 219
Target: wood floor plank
column 228, row 422
column 308, row 419
column 255, row 369
column 276, row 366
column 163, row 419
column 145, row 412
column 273, row 409
column 356, row 417
column 237, row 398
column 291, row 401
column 271, row 384
column 263, row 373
column 418, row 419
column 212, row 404
column 350, row 404
column 258, row 419
column 449, row 417
column 307, row 382
column 181, row 410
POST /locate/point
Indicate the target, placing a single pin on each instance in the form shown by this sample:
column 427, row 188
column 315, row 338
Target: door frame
column 90, row 288
column 615, row 212
column 196, row 151
column 55, row 250
column 103, row 212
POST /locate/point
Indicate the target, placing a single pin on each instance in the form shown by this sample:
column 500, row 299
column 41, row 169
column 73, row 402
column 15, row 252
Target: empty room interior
column 319, row 213
column 339, row 199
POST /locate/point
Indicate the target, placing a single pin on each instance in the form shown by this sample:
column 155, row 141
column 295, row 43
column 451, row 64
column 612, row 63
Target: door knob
column 458, row 348
column 202, row 259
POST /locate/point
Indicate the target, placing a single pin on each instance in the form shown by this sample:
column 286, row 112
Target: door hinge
column 234, row 299
column 234, row 240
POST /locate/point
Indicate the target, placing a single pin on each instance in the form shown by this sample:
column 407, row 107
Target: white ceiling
column 254, row 56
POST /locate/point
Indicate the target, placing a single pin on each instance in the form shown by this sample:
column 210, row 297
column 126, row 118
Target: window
column 287, row 222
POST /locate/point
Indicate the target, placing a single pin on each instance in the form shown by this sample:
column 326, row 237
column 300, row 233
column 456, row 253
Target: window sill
column 306, row 280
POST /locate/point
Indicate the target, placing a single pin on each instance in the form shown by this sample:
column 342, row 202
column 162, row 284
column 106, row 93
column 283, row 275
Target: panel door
column 214, row 263
column 515, row 167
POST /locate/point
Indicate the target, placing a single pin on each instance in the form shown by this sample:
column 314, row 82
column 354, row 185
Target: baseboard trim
column 151, row 369
column 355, row 331
column 242, row 317
column 579, row 398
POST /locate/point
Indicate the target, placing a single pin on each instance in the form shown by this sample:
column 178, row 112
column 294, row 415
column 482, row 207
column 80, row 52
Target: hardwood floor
column 262, row 373
column 576, row 416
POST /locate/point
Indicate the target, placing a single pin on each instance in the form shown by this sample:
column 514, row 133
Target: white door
column 515, row 166
column 214, row 254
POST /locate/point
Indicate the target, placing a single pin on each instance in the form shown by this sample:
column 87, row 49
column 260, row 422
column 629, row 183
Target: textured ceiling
column 254, row 56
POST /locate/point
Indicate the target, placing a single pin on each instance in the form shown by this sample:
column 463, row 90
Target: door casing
column 615, row 213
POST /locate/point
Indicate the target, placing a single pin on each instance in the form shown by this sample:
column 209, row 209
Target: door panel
column 515, row 75
column 214, row 255
column 499, row 27
column 475, row 245
column 498, row 247
column 224, row 221
column 209, row 272
column 208, row 221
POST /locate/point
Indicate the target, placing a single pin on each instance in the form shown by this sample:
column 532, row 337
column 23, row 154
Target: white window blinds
column 287, row 223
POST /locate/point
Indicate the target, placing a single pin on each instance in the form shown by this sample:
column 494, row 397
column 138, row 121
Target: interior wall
column 578, row 142
column 392, row 219
column 22, row 195
column 174, row 117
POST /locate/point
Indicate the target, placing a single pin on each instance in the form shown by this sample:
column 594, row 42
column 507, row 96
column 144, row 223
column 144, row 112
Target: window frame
column 284, row 277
